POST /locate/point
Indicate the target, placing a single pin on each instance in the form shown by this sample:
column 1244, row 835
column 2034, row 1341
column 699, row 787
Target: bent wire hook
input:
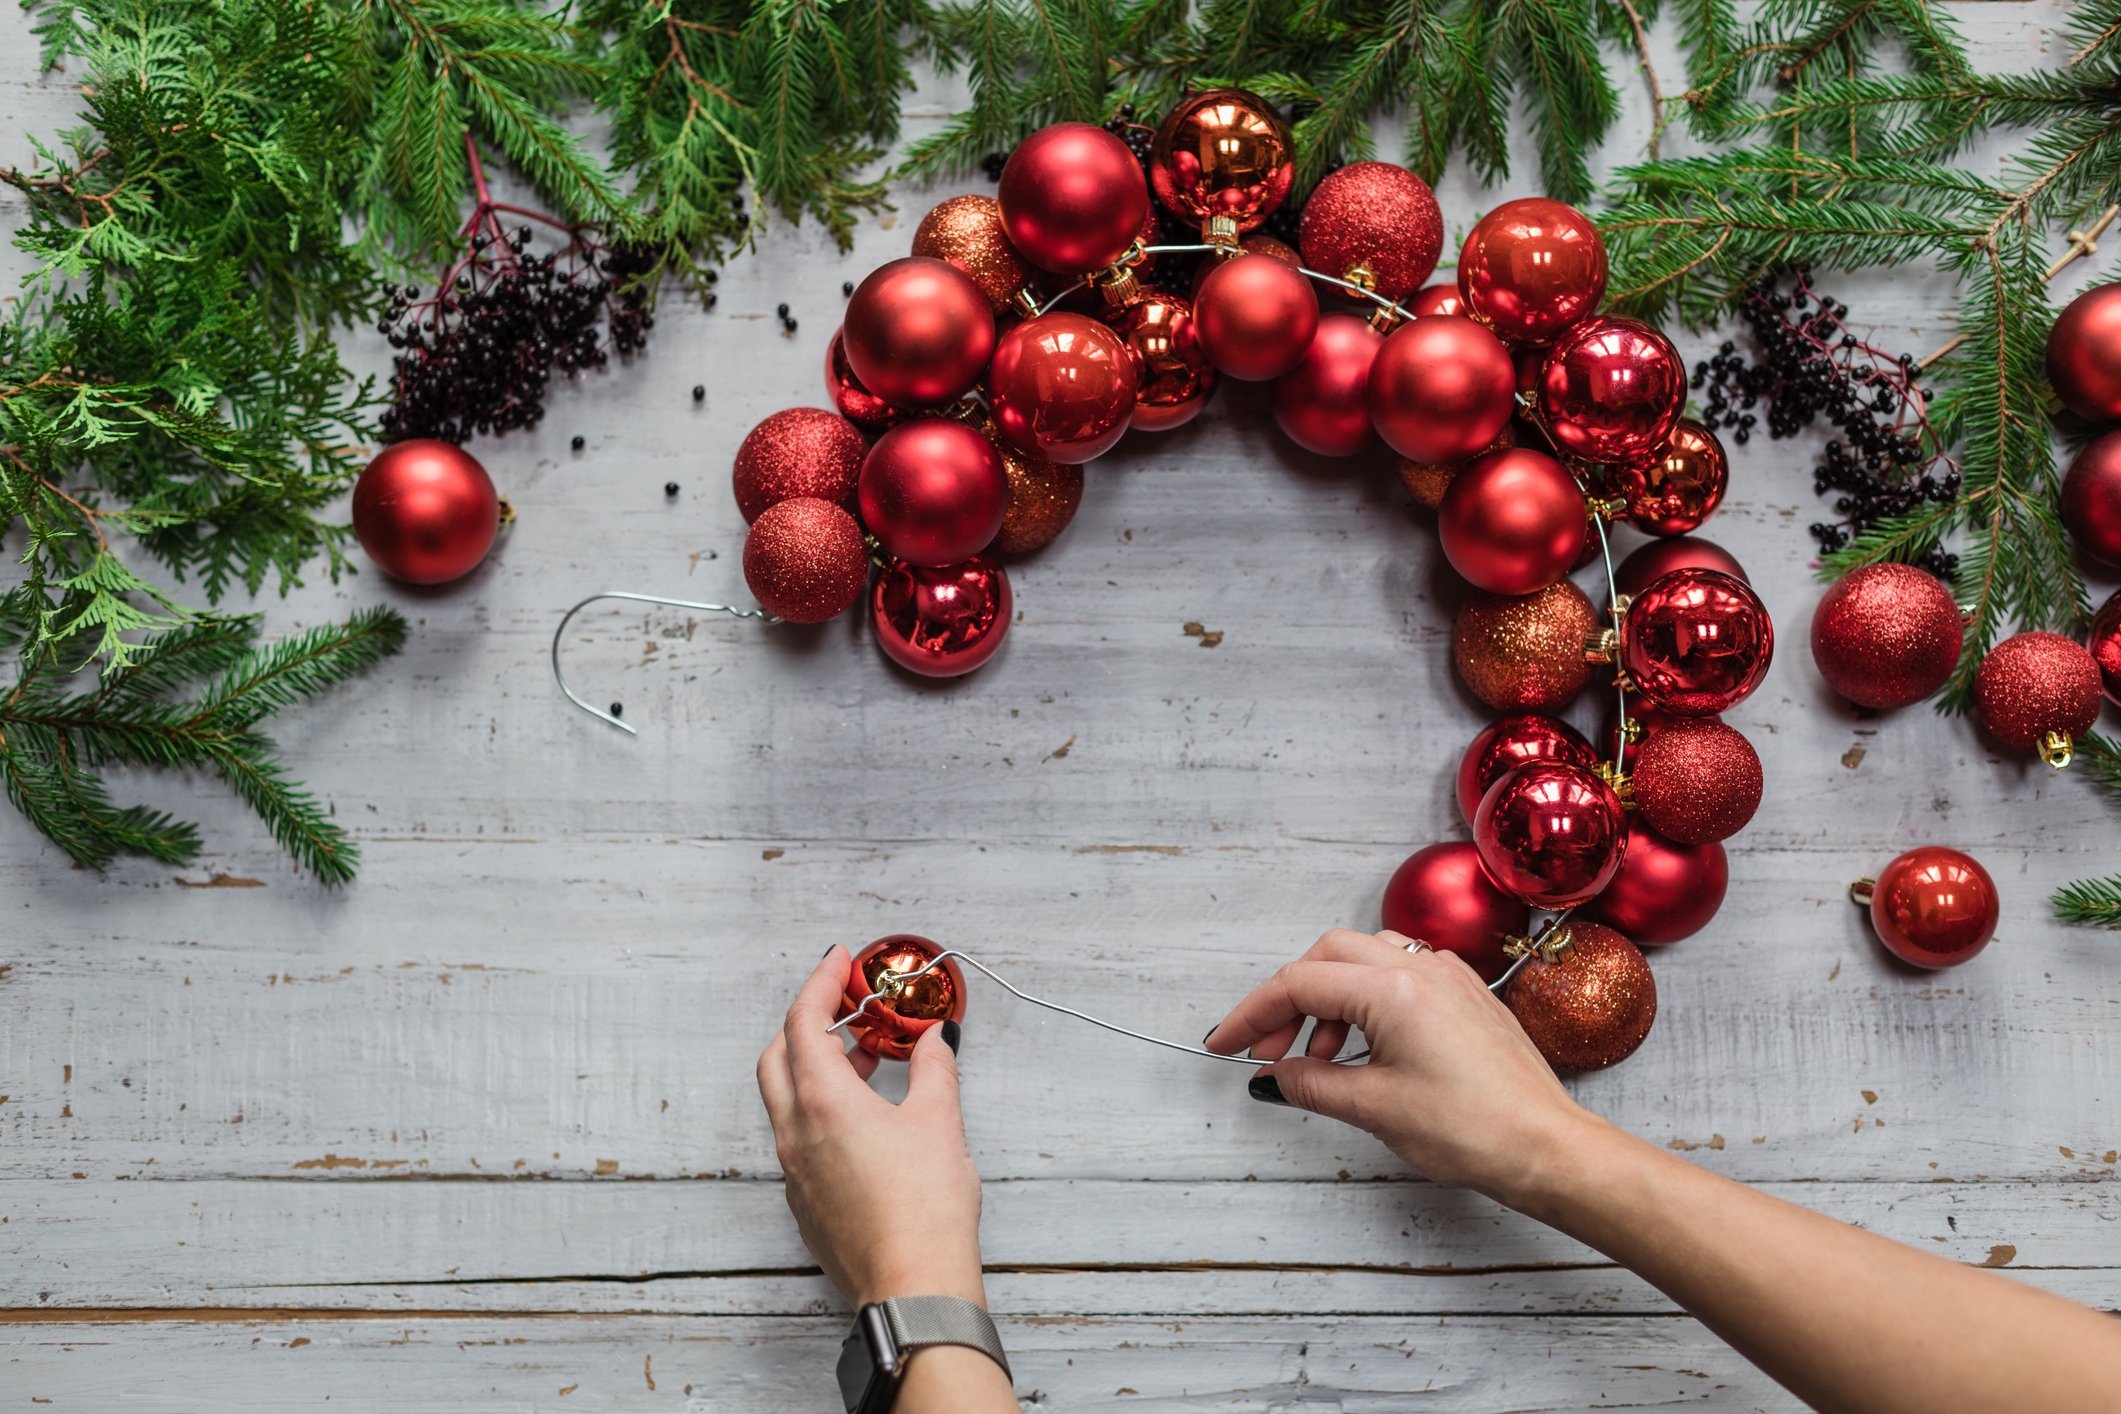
column 567, row 618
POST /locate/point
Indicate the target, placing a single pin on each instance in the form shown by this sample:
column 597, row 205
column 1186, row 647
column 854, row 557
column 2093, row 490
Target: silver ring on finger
column 1419, row 946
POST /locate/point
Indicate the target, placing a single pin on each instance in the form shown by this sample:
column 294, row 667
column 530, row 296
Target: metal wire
column 1368, row 294
column 561, row 678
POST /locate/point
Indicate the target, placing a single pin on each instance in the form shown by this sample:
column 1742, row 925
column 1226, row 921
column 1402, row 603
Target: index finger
column 814, row 1054
column 1330, row 991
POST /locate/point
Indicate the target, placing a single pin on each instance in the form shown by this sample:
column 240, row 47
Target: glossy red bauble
column 933, row 491
column 804, row 560
column 890, row 1025
column 2084, row 354
column 2103, row 642
column 1551, row 834
column 1664, row 891
column 1697, row 780
column 1531, row 268
column 1444, row 897
column 1323, row 403
column 1660, row 557
column 1886, row 635
column 1612, row 390
column 1073, row 198
column 1442, row 389
column 1697, row 642
column 1673, row 491
column 1172, row 375
column 1934, row 907
column 1373, row 224
column 853, row 400
column 917, row 332
column 2091, row 499
column 1222, row 152
column 1590, row 1009
column 2038, row 692
column 798, row 452
column 1062, row 387
column 944, row 622
column 425, row 511
column 1434, row 299
column 1512, row 521
column 1256, row 316
column 1516, row 740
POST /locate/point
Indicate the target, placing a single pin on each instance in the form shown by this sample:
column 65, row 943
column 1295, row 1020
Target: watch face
column 857, row 1369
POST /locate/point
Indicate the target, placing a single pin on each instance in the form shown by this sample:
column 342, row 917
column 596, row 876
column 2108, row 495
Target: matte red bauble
column 967, row 232
column 1886, row 635
column 1172, row 375
column 1551, row 834
column 1649, row 719
column 1444, row 897
column 891, row 1024
column 1524, row 652
column 933, row 491
column 1256, row 317
column 2091, row 499
column 425, row 511
column 855, row 402
column 1062, row 387
column 1934, row 907
column 2084, row 354
column 1664, row 891
column 1373, row 224
column 1697, row 642
column 2103, row 642
column 1612, row 390
column 1434, row 299
column 1518, row 740
column 798, row 452
column 2038, row 692
column 941, row 623
column 1512, row 521
column 1531, row 268
column 1592, row 1008
column 1224, row 152
column 1073, row 198
column 917, row 332
column 804, row 560
column 1696, row 780
column 1442, row 389
column 1660, row 557
column 1675, row 490
column 1323, row 403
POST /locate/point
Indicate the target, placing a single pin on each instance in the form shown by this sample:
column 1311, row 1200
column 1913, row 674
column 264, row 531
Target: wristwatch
column 886, row 1333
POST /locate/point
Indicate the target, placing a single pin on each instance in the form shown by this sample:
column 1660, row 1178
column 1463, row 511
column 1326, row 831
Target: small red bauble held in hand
column 1062, row 387
column 1442, row 389
column 1611, row 390
column 1224, row 159
column 1589, row 1007
column 2038, row 692
column 1072, row 198
column 1531, row 268
column 1933, row 907
column 1375, row 225
column 1255, row 317
column 1512, row 522
column 917, row 332
column 425, row 511
column 941, row 623
column 1517, row 740
column 2091, row 498
column 933, row 491
column 1886, row 635
column 1550, row 833
column 1322, row 404
column 890, row 1025
column 2084, row 354
column 1444, row 897
column 1697, row 642
column 1664, row 891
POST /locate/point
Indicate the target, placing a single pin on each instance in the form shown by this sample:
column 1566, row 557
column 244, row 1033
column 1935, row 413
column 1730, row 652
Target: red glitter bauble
column 1649, row 719
column 1434, row 299
column 856, row 403
column 1675, row 490
column 891, row 1024
column 1442, row 896
column 1518, row 740
column 2084, row 354
column 1664, row 891
column 941, row 623
column 798, row 452
column 1442, row 389
column 1373, row 224
column 1934, row 907
column 1043, row 497
column 1172, row 375
column 1524, row 652
column 1512, row 521
column 1073, row 198
column 1696, row 780
column 1255, row 317
column 1062, row 387
column 1886, row 635
column 425, row 511
column 933, row 491
column 2038, row 692
column 1660, row 557
column 1612, row 390
column 1223, row 152
column 1323, row 403
column 2103, row 642
column 805, row 561
column 1551, row 834
column 967, row 232
column 2091, row 499
column 1697, row 642
column 1592, row 1008
column 918, row 332
column 1531, row 268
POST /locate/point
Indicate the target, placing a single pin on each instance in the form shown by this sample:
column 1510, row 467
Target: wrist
column 953, row 1275
column 1559, row 1171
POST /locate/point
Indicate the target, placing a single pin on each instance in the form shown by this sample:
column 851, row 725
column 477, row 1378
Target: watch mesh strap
column 916, row 1321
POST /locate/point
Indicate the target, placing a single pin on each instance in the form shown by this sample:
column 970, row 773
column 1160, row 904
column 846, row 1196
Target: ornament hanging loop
column 1220, row 231
column 2056, row 749
column 1860, row 892
column 560, row 677
column 1555, row 942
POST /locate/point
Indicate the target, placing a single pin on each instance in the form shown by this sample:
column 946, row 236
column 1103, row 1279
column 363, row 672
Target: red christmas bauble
column 1531, row 268
column 804, row 560
column 1255, row 317
column 1323, row 403
column 891, row 1024
column 1073, row 198
column 1172, row 375
column 1254, row 244
column 2038, row 692
column 798, row 452
column 1934, row 907
column 1551, row 834
column 1434, row 299
column 2091, row 499
column 425, row 511
column 1223, row 152
column 2103, row 642
column 1664, row 891
column 855, row 402
column 1886, row 635
column 1612, row 390
column 1442, row 389
column 1373, row 224
column 1512, row 521
column 1660, row 557
column 933, row 491
column 1696, row 780
column 2084, row 354
column 1675, row 490
column 967, row 232
column 1592, row 1008
column 1524, row 652
column 1697, row 642
column 1062, row 387
column 1442, row 896
column 941, row 623
column 1517, row 740
column 1649, row 719
column 918, row 332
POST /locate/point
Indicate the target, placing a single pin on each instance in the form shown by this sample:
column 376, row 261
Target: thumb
column 931, row 1071
column 1323, row 1088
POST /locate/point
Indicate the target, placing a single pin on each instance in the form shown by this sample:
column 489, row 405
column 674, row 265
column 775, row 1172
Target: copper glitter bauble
column 933, row 491
column 1649, row 719
column 1322, row 404
column 1073, row 198
column 1551, row 834
column 804, row 560
column 1518, row 740
column 891, row 1024
column 2091, row 499
column 918, row 332
column 1434, row 299
column 855, row 402
column 1172, row 375
column 967, row 232
column 2038, row 692
column 1373, row 224
column 2103, row 642
column 1444, row 897
column 1660, row 557
column 1254, row 244
column 1612, row 390
column 1512, row 522
column 1697, row 642
column 1427, row 481
column 1524, row 653
column 425, row 511
column 1531, row 268
column 2084, row 354
column 1043, row 496
column 798, row 452
column 1664, row 891
column 1593, row 1007
column 1675, row 490
column 1224, row 152
column 1442, row 388
column 1934, row 907
column 1062, row 386
column 1886, row 635
column 941, row 623
column 1696, row 780
column 1255, row 317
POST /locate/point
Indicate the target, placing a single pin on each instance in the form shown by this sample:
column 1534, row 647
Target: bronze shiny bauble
column 1531, row 268
column 2038, row 692
column 1697, row 642
column 1322, row 404
column 1697, row 780
column 1062, row 387
column 1551, row 834
column 1886, row 635
column 918, row 332
column 1073, row 198
column 1442, row 389
column 2084, row 354
column 425, row 511
column 1373, row 224
column 1224, row 152
column 891, row 1024
column 967, row 232
column 1512, row 522
column 1442, row 896
column 1524, row 654
column 804, row 560
column 1172, row 375
column 1592, row 1008
column 2103, row 642
column 1611, row 389
column 1674, row 490
column 798, row 452
column 942, row 622
column 1934, row 907
column 855, row 402
column 1517, row 740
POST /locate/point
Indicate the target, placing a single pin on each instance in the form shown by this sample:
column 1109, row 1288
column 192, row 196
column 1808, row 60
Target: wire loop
column 568, row 617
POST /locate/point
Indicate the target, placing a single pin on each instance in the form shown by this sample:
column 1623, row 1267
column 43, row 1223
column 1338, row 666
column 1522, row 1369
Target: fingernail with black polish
column 1211, row 1031
column 1267, row 1088
column 952, row 1035
column 826, row 953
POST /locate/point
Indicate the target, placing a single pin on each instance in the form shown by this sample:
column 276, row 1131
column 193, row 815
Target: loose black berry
column 699, row 392
column 788, row 324
column 782, row 311
column 846, row 287
column 579, row 443
column 618, row 709
column 670, row 488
